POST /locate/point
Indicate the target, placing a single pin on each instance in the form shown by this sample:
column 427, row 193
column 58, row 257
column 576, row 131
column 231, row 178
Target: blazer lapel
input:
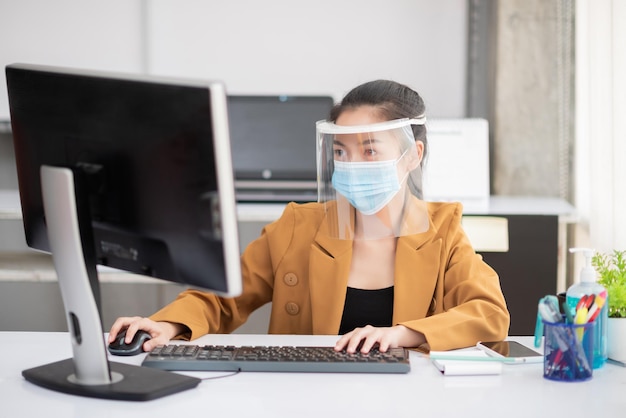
column 328, row 279
column 416, row 270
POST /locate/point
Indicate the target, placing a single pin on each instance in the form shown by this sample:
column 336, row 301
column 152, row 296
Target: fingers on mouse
column 120, row 348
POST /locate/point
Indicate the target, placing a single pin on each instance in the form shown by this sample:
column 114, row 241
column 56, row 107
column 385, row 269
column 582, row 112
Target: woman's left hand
column 363, row 339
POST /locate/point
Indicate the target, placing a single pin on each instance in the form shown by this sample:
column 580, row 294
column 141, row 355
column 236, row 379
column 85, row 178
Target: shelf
column 38, row 267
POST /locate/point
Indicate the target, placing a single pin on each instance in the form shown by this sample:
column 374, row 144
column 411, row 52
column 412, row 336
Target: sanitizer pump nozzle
column 587, row 273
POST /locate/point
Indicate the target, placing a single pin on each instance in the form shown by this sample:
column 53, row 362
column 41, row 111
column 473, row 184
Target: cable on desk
column 222, row 376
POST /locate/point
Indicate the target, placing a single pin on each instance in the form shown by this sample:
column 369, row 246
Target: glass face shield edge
column 369, row 177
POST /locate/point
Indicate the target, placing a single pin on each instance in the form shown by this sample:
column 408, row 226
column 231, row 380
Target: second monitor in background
column 273, row 146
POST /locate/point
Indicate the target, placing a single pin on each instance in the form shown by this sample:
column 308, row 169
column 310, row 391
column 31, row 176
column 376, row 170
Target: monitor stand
column 88, row 372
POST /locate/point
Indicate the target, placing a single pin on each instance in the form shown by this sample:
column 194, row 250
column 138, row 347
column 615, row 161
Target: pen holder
column 568, row 351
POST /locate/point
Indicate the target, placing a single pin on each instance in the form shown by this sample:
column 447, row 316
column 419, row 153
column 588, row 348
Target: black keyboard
column 275, row 359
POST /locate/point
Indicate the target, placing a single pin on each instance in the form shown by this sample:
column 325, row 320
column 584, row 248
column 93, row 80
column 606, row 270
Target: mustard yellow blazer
column 442, row 288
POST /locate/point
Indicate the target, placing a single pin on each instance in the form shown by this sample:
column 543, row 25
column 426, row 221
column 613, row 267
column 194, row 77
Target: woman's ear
column 415, row 158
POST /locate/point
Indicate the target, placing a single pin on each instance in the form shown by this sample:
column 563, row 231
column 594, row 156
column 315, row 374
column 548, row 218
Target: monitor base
column 137, row 383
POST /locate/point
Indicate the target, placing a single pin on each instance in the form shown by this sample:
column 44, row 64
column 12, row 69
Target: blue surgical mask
column 369, row 186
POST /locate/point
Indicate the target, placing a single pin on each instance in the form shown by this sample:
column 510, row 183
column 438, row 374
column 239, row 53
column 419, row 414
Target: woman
column 370, row 261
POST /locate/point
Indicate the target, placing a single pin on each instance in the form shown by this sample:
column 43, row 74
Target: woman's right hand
column 161, row 332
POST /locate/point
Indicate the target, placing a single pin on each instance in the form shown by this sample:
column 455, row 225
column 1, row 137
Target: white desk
column 521, row 391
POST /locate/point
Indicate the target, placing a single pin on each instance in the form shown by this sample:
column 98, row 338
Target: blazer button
column 292, row 308
column 290, row 279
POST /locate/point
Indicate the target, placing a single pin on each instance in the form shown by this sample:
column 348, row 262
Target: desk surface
column 520, row 391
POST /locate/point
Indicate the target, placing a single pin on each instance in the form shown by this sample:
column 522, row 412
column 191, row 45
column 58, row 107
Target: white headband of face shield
column 326, row 127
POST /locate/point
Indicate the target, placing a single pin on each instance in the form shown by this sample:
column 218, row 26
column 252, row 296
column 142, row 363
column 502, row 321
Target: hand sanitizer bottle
column 588, row 288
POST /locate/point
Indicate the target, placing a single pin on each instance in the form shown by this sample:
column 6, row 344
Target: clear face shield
column 370, row 179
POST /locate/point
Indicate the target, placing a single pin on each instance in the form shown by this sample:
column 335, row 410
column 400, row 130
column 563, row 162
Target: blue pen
column 547, row 310
column 568, row 313
column 538, row 329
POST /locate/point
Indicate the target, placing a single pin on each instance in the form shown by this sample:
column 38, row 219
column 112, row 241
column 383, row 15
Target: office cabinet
column 529, row 269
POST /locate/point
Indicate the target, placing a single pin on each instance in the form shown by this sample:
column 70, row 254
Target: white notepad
column 466, row 363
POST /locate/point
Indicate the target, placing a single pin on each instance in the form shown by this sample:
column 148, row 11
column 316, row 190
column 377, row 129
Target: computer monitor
column 273, row 143
column 132, row 172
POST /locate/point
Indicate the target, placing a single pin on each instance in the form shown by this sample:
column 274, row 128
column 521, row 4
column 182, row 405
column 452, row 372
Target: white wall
column 322, row 46
column 272, row 46
column 104, row 35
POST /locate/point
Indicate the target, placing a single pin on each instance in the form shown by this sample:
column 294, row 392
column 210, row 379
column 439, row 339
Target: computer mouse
column 119, row 348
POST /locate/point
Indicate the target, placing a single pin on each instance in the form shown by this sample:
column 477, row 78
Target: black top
column 367, row 307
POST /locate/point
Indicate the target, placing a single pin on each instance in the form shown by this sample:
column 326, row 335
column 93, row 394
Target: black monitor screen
column 273, row 137
column 145, row 151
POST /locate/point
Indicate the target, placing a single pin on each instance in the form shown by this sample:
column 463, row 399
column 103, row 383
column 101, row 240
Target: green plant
column 612, row 271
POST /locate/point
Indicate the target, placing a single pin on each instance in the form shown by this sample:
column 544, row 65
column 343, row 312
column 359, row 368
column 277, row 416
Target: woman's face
column 371, row 146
